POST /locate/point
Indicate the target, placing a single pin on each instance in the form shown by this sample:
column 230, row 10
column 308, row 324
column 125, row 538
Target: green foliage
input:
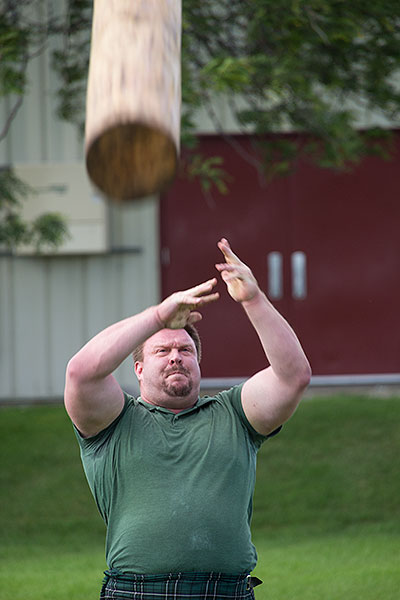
column 71, row 62
column 48, row 230
column 227, row 74
column 209, row 171
column 304, row 66
column 23, row 36
column 14, row 43
column 311, row 67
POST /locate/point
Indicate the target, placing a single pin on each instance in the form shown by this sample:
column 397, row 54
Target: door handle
column 275, row 280
column 299, row 275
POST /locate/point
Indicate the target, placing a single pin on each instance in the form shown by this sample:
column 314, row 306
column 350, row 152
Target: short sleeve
column 89, row 445
column 234, row 395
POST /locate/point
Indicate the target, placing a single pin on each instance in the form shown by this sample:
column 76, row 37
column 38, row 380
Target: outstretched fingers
column 202, row 288
column 238, row 277
column 226, row 250
column 229, row 271
column 182, row 307
column 200, row 295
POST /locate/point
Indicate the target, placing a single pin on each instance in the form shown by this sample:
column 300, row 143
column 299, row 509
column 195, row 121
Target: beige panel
column 59, row 304
column 66, row 317
column 65, row 188
column 136, row 224
column 27, row 139
column 136, row 279
column 103, row 293
column 30, row 299
column 7, row 364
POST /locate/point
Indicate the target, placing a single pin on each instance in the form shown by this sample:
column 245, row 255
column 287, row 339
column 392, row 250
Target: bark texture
column 134, row 97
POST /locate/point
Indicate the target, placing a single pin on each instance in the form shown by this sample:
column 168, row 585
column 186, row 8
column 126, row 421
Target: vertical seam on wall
column 44, row 101
column 84, row 298
column 48, row 319
column 12, row 329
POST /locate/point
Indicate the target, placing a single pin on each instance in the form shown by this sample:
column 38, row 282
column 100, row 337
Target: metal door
column 323, row 245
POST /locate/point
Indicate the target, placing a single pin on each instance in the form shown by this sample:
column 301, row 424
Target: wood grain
column 134, row 97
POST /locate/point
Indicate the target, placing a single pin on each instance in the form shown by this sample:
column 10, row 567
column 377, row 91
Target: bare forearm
column 108, row 349
column 281, row 345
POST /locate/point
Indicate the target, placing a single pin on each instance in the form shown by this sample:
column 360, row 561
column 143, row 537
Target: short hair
column 189, row 328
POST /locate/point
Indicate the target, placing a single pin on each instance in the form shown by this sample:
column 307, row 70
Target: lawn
column 326, row 521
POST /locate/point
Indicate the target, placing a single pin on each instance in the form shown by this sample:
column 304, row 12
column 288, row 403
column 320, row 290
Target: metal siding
column 30, row 305
column 7, row 337
column 50, row 307
column 133, row 284
column 67, row 331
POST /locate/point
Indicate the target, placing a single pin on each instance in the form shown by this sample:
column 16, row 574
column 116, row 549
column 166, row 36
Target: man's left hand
column 240, row 281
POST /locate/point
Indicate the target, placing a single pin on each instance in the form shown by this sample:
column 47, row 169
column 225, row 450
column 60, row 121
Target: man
column 173, row 474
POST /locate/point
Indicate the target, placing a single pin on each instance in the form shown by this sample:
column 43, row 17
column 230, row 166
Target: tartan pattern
column 175, row 586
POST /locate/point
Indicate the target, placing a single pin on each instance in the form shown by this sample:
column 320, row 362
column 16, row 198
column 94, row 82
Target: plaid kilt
column 175, row 586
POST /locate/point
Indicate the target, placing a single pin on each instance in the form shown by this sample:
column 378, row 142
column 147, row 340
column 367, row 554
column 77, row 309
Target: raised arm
column 93, row 397
column 270, row 396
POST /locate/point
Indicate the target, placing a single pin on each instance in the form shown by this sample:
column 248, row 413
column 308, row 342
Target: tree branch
column 11, row 117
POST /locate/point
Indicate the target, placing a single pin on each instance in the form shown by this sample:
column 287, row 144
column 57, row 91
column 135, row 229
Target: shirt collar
column 201, row 401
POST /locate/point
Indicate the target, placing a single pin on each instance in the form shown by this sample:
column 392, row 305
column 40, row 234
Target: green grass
column 326, row 520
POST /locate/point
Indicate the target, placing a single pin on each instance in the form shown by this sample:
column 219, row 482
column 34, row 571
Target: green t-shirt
column 176, row 490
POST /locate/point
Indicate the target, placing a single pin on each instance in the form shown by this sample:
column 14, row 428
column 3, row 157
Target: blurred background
column 291, row 150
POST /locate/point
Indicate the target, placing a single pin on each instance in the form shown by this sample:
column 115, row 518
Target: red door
column 325, row 247
column 348, row 227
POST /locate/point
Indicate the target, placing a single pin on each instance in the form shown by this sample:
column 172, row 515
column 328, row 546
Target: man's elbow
column 302, row 376
column 76, row 377
column 75, row 370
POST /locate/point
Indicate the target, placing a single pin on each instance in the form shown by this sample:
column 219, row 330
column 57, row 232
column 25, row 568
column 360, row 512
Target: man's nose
column 175, row 357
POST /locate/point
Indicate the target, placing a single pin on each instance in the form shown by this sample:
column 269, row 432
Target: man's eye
column 161, row 350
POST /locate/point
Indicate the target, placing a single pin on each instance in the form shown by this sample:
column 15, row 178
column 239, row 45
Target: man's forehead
column 169, row 337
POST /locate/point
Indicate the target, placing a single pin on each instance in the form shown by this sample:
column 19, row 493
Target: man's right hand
column 180, row 308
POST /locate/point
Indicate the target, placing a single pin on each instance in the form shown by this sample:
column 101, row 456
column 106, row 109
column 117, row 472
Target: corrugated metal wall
column 50, row 306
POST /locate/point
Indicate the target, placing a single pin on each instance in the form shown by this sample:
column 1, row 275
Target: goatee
column 177, row 388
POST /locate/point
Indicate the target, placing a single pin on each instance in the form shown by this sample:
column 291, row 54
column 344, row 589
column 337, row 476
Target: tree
column 306, row 65
column 26, row 26
column 309, row 66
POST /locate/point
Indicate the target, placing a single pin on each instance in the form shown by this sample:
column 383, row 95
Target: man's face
column 169, row 374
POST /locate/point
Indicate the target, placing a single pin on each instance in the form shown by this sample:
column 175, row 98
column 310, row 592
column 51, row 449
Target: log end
column 131, row 160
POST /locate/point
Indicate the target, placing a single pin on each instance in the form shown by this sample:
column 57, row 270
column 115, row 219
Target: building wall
column 51, row 305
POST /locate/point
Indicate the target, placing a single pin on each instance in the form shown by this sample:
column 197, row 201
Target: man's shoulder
column 231, row 401
column 228, row 400
column 103, row 437
column 224, row 396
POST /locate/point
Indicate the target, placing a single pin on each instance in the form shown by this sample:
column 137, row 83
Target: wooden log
column 133, row 103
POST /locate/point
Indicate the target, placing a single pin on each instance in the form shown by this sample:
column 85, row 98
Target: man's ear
column 138, row 367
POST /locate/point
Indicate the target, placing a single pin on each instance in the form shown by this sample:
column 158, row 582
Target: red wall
column 347, row 225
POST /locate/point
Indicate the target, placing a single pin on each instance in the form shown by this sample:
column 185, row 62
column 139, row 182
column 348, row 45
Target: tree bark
column 134, row 97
